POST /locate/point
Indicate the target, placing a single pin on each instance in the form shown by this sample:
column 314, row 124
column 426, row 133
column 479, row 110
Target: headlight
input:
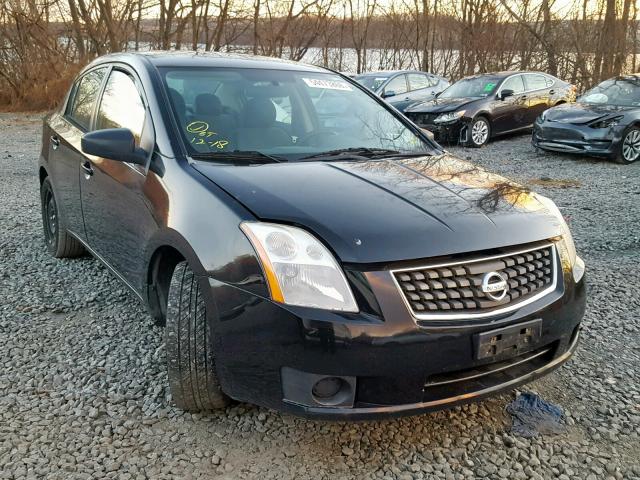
column 566, row 244
column 298, row 268
column 608, row 122
column 449, row 117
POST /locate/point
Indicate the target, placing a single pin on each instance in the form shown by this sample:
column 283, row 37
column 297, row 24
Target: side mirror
column 507, row 92
column 388, row 93
column 114, row 144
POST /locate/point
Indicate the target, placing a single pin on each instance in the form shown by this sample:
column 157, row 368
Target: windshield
column 288, row 114
column 471, row 87
column 622, row 92
column 372, row 82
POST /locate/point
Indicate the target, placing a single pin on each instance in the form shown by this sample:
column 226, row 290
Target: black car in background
column 477, row 108
column 331, row 266
column 402, row 88
column 604, row 122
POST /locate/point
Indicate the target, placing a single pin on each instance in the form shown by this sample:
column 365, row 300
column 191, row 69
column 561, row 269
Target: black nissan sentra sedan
column 475, row 109
column 604, row 122
column 332, row 266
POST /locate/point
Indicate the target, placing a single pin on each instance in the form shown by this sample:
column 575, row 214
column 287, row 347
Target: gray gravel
column 83, row 386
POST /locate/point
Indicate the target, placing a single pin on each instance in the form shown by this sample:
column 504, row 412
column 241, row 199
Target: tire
column 629, row 151
column 479, row 132
column 190, row 359
column 60, row 243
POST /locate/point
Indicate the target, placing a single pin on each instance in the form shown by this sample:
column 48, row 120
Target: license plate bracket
column 508, row 341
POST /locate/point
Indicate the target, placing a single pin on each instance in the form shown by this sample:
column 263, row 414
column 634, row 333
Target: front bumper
column 578, row 139
column 398, row 365
column 443, row 132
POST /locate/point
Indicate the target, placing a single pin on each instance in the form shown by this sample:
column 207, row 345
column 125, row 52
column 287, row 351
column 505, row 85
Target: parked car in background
column 604, row 122
column 343, row 271
column 402, row 88
column 477, row 108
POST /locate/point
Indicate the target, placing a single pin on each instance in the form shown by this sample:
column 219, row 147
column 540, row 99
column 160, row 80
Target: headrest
column 208, row 104
column 259, row 113
column 177, row 101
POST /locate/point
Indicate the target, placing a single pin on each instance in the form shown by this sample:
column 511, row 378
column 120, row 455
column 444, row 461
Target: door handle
column 86, row 166
column 551, row 92
column 55, row 142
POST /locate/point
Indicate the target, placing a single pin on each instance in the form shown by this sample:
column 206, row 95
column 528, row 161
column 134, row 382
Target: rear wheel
column 630, row 147
column 479, row 132
column 60, row 243
column 190, row 359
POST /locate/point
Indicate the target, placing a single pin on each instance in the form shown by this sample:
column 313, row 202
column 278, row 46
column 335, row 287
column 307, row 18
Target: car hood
column 438, row 105
column 581, row 113
column 391, row 210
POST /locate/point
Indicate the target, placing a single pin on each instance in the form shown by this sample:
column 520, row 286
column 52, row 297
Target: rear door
column 421, row 88
column 117, row 213
column 65, row 131
column 538, row 95
column 510, row 113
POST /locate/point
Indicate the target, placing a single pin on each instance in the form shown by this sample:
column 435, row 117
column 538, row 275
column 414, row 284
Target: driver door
column 117, row 215
column 512, row 112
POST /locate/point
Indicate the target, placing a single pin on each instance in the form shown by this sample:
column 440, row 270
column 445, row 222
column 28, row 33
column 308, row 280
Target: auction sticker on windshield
column 328, row 84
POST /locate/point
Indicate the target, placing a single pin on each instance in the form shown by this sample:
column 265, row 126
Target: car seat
column 259, row 130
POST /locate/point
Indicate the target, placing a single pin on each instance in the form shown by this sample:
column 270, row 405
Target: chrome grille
column 455, row 288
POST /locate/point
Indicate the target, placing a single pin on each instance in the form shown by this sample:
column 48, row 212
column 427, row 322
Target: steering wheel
column 307, row 140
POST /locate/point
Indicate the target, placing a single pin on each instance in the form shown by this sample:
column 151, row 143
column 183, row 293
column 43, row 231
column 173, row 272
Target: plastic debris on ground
column 532, row 416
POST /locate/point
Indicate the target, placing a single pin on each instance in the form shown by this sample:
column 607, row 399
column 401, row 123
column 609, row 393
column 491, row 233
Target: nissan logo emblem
column 494, row 286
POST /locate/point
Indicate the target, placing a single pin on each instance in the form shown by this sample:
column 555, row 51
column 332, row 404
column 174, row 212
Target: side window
column 514, row 83
column 121, row 105
column 397, row 85
column 417, row 81
column 536, row 82
column 81, row 105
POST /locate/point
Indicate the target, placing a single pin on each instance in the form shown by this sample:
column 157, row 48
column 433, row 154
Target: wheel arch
column 165, row 251
column 42, row 174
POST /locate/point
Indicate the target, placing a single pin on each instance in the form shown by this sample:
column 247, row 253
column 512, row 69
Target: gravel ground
column 83, row 389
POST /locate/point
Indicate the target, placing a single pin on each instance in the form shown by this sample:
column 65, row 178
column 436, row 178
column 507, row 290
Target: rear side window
column 417, row 81
column 84, row 98
column 121, row 105
column 536, row 82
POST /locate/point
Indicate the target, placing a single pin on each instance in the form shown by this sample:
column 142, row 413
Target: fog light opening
column 331, row 391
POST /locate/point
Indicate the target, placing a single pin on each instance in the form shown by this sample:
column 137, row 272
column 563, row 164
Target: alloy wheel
column 631, row 146
column 480, row 132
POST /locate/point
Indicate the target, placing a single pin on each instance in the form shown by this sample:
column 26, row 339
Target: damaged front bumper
column 578, row 139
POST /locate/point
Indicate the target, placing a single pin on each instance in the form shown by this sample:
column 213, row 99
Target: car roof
column 506, row 73
column 207, row 59
column 388, row 73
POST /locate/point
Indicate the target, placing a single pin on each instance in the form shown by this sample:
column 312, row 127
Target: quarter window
column 514, row 83
column 536, row 82
column 84, row 98
column 397, row 85
column 121, row 105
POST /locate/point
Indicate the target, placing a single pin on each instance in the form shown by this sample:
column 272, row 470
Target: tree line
column 44, row 43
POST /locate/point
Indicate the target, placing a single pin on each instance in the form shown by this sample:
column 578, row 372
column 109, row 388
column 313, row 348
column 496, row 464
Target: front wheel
column 190, row 358
column 479, row 133
column 630, row 147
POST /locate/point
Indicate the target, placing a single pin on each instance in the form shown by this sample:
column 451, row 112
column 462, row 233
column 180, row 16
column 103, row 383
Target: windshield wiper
column 362, row 152
column 244, row 156
column 351, row 152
